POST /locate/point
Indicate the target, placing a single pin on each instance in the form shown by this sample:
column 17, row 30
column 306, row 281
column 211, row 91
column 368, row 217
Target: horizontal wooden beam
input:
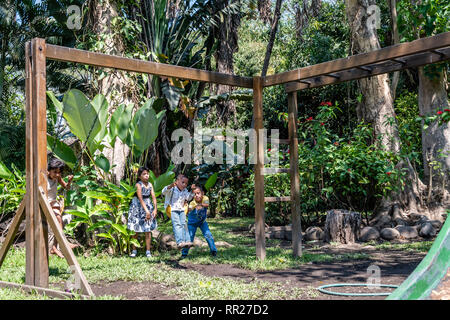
column 396, row 51
column 43, row 291
column 277, row 199
column 386, row 67
column 267, row 171
column 279, row 141
column 66, row 54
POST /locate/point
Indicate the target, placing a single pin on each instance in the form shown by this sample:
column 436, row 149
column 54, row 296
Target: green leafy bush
column 12, row 188
column 335, row 172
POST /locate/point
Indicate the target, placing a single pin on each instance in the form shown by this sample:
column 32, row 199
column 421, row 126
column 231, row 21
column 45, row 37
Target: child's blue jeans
column 197, row 219
column 179, row 226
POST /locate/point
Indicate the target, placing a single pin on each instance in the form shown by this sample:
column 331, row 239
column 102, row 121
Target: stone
column 167, row 238
column 171, row 245
column 436, row 224
column 427, row 230
column 400, row 222
column 389, row 234
column 279, row 234
column 382, row 221
column 314, row 233
column 420, row 218
column 198, row 242
column 407, row 232
column 288, row 235
column 369, row 233
column 222, row 244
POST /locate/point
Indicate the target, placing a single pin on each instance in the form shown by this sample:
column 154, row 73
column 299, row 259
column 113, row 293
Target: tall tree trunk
column 116, row 85
column 395, row 40
column 273, row 32
column 227, row 37
column 435, row 139
column 265, row 10
column 377, row 105
column 304, row 13
column 376, row 109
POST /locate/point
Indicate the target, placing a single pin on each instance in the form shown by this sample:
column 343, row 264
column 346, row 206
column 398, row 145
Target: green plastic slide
column 430, row 272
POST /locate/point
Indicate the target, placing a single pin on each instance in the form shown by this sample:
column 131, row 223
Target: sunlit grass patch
column 420, row 246
column 185, row 284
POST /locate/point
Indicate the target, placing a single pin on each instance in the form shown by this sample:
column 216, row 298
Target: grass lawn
column 243, row 253
column 186, row 284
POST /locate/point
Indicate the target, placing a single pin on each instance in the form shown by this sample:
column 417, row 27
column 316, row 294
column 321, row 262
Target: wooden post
column 295, row 179
column 29, row 208
column 38, row 147
column 259, row 169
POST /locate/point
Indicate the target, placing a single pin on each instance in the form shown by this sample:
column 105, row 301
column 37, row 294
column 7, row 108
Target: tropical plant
column 88, row 121
column 12, row 187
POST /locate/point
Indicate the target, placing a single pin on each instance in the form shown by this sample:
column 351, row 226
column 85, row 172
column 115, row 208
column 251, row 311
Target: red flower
column 328, row 103
column 439, row 112
column 322, row 123
column 336, row 143
column 309, row 119
column 269, row 149
column 349, row 170
column 447, row 110
column 388, row 173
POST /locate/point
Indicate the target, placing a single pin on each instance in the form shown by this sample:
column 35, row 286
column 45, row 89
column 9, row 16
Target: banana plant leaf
column 81, row 116
column 145, row 125
column 4, row 172
column 62, row 151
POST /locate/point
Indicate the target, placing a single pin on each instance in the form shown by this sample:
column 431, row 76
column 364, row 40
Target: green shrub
column 335, row 172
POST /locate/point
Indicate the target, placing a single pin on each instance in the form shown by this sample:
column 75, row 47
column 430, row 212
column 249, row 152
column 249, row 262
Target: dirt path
column 394, row 265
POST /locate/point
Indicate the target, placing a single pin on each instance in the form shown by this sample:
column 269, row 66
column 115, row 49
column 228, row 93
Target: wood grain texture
column 29, row 196
column 63, row 243
column 134, row 65
column 396, row 51
column 412, row 61
column 13, row 228
column 259, row 169
column 39, row 149
column 44, row 291
column 295, row 178
column 277, row 199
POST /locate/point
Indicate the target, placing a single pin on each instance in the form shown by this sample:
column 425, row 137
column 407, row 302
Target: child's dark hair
column 201, row 187
column 181, row 176
column 140, row 171
column 55, row 163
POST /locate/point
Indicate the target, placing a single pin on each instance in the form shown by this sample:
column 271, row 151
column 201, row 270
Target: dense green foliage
column 338, row 163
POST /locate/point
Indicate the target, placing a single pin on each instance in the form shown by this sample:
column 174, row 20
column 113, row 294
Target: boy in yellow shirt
column 198, row 209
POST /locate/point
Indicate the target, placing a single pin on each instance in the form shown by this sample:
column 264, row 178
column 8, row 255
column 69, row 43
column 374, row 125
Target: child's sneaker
column 148, row 254
column 133, row 254
column 214, row 253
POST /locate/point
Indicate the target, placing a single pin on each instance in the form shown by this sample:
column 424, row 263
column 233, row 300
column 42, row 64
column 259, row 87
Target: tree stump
column 342, row 226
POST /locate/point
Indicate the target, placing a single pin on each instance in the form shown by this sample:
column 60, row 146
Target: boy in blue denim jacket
column 198, row 210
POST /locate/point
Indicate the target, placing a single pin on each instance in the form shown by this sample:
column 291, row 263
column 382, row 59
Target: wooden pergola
column 35, row 207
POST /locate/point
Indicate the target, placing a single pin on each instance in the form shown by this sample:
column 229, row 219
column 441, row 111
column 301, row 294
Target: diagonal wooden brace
column 63, row 243
column 14, row 227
